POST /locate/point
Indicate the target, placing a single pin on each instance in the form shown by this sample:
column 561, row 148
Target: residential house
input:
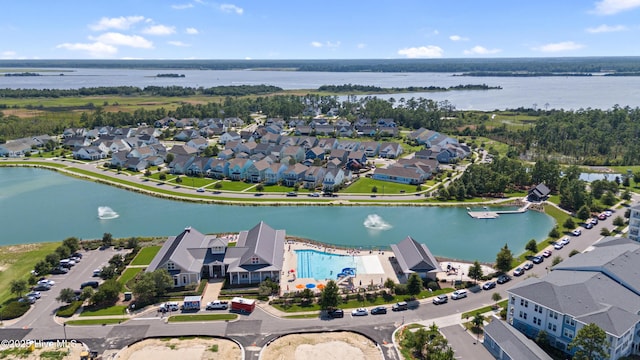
column 164, row 122
column 186, row 135
column 369, row 131
column 328, row 144
column 233, row 122
column 226, row 154
column 385, row 123
column 119, row 159
column 218, row 169
column 348, row 145
column 90, row 153
column 324, row 130
column 182, row 150
column 334, row 163
column 141, row 152
column 313, row 177
column 198, row 143
column 293, row 174
column 411, row 176
column 274, row 173
column 356, row 160
column 345, row 131
column 136, row 164
column 181, row 163
column 413, row 257
column 238, row 169
column 198, row 166
column 308, row 142
column 315, row 153
column 75, row 142
column 295, row 152
column 74, row 132
column 256, row 172
column 14, row 149
column 389, row 131
column 229, row 136
column 304, row 130
column 246, row 147
column 539, row 193
column 370, row 148
column 334, row 178
column 343, row 122
column 390, row 150
column 599, row 286
column 340, row 154
column 270, row 138
column 262, row 148
column 634, row 223
column 183, row 123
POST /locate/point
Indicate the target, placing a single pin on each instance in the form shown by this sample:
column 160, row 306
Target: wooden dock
column 495, row 214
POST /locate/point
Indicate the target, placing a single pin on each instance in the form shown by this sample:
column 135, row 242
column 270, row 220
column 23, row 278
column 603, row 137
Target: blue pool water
column 320, row 265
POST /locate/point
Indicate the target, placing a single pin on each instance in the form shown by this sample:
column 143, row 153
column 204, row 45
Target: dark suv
column 335, row 313
column 503, row 279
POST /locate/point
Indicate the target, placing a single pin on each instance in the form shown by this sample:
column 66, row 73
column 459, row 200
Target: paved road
column 256, row 330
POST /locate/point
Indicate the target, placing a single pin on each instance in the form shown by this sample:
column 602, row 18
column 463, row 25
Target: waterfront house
column 410, row 176
column 180, row 164
column 198, row 166
column 217, row 169
column 539, row 193
column 257, row 170
column 334, row 178
column 313, row 177
column 413, row 257
column 136, row 164
column 238, row 169
column 90, row 153
column 274, row 173
column 119, row 159
column 293, row 174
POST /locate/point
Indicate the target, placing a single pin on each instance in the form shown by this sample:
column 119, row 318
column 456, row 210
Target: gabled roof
column 512, row 342
column 261, row 241
column 414, row 257
column 186, row 250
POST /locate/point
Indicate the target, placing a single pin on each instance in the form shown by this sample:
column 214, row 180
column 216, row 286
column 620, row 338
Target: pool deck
column 289, row 282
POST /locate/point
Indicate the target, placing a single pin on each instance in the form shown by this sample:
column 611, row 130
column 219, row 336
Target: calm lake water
column 39, row 205
column 569, row 93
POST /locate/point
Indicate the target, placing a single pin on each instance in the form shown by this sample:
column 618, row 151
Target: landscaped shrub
column 68, row 310
column 14, row 310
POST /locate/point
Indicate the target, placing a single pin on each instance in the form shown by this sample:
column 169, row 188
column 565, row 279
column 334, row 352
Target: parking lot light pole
column 64, row 328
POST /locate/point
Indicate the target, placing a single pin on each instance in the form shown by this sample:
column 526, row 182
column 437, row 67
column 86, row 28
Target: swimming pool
column 321, row 265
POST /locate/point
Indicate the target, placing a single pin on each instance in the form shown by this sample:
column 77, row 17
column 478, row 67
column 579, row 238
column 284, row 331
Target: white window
column 171, row 266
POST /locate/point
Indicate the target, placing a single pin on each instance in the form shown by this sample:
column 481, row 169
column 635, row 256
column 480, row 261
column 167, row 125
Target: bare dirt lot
column 182, row 349
column 326, row 346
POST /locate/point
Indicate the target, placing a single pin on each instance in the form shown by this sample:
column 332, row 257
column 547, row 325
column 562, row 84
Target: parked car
column 518, row 271
column 93, row 284
column 217, row 305
column 58, row 271
column 537, row 259
column 459, row 294
column 608, row 213
column 77, row 254
column 565, row 240
column 315, row 194
column 359, row 312
column 576, row 232
column 594, row 221
column 588, row 225
column 200, row 190
column 28, row 299
column 527, row 266
column 336, row 313
column 602, row 216
column 547, row 253
column 41, row 287
column 97, row 272
column 292, row 193
column 400, row 306
column 489, row 285
column 503, row 279
column 378, row 310
column 558, row 246
column 440, row 299
column 35, row 294
column 169, row 306
column 46, row 282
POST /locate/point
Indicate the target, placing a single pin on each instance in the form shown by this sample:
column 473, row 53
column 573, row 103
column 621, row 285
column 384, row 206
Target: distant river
column 569, row 93
column 40, row 205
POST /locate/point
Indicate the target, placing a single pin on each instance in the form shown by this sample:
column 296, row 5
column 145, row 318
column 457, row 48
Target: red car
column 546, row 253
column 602, row 216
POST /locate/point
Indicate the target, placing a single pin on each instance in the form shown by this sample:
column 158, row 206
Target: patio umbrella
column 300, row 286
column 320, row 286
column 311, row 286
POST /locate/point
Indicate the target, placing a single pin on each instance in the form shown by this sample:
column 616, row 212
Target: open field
column 189, row 348
column 129, row 274
column 113, row 310
column 364, row 186
column 16, row 261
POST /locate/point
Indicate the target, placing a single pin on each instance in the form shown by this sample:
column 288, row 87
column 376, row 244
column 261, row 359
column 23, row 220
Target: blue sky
column 327, row 29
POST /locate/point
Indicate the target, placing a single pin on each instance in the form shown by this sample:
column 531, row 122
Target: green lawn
column 203, row 317
column 128, row 274
column 234, row 185
column 113, row 310
column 365, row 184
column 274, row 189
column 94, row 322
column 195, row 182
column 17, row 261
column 145, row 255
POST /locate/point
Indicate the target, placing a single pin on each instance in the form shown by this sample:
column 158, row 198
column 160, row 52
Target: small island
column 171, row 75
column 375, row 89
column 22, row 74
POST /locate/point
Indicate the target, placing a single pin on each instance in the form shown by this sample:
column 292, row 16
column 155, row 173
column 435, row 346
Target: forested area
column 351, row 88
column 503, row 65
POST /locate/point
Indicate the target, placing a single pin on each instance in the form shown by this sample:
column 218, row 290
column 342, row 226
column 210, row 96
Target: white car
column 565, row 241
column 359, row 312
column 34, row 294
column 577, row 232
column 558, row 245
column 46, row 282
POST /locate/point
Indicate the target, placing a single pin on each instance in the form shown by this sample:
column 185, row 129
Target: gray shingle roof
column 186, row 250
column 512, row 342
column 261, row 241
column 414, row 257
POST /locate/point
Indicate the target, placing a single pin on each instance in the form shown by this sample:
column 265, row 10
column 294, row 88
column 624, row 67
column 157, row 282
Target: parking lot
column 46, row 306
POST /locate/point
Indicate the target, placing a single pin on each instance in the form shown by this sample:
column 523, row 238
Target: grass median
column 203, row 317
column 94, row 322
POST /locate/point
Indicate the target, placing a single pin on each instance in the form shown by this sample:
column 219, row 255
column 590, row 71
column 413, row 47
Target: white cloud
column 182, row 6
column 610, row 7
column 178, row 43
column 113, row 38
column 159, row 30
column 480, row 50
column 96, row 49
column 327, row 44
column 561, row 46
column 248, row 58
column 361, row 46
column 229, row 8
column 8, row 54
column 430, row 51
column 192, row 31
column 606, row 29
column 119, row 23
column 458, row 38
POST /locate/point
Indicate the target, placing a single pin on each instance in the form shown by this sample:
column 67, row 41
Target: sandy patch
column 188, row 349
column 72, row 351
column 326, row 346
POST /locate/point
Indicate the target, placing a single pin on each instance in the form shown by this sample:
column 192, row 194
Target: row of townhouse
column 213, row 123
column 20, row 147
column 600, row 286
column 412, row 171
column 265, row 171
